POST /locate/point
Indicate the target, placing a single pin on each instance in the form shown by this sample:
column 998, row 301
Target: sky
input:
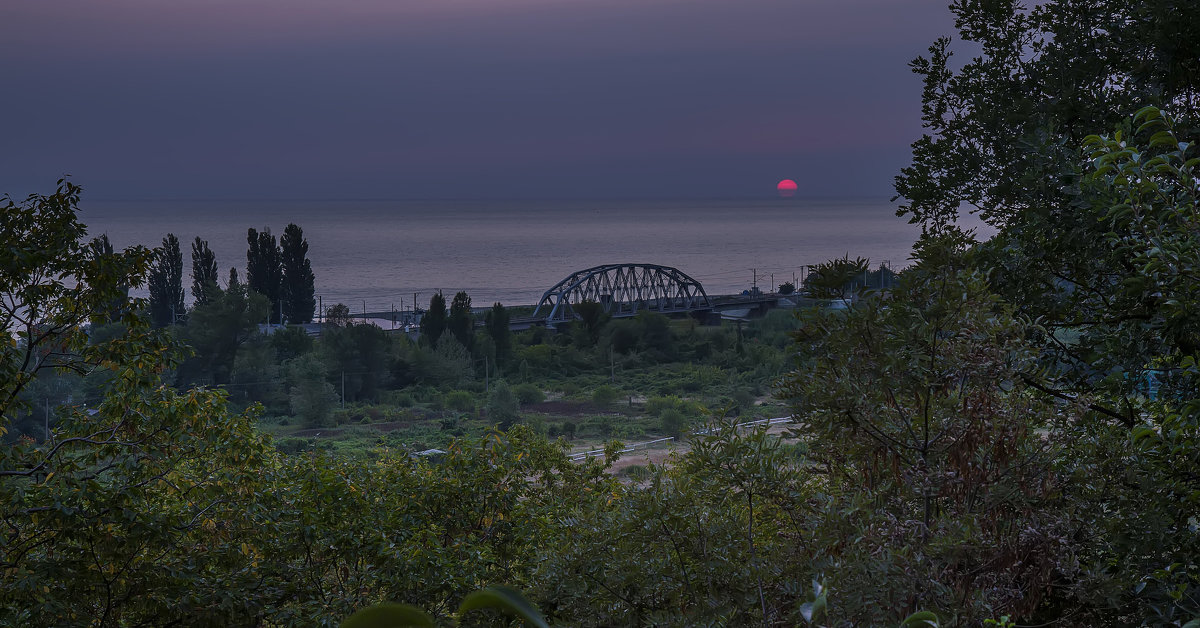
column 397, row 99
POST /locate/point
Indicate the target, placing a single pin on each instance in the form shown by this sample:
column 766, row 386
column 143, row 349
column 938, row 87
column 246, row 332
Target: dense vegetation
column 1007, row 434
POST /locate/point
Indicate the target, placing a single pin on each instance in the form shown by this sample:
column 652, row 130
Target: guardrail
column 576, row 457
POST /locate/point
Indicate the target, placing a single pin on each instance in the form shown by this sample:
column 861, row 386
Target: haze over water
column 512, row 251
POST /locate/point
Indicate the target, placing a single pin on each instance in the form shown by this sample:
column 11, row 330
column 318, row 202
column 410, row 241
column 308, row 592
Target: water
column 376, row 254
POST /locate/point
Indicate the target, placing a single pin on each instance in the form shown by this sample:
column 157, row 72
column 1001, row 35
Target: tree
column 1092, row 245
column 298, row 289
column 496, row 321
column 107, row 520
column 787, row 288
column 102, row 248
column 166, row 283
column 460, row 322
column 204, row 272
column 264, row 269
column 216, row 329
column 914, row 404
column 593, row 317
column 433, row 322
column 503, row 408
column 312, row 396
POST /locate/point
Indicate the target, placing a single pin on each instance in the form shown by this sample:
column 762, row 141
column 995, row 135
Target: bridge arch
column 623, row 290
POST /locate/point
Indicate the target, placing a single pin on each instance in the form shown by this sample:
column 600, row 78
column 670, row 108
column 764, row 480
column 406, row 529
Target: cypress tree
column 298, row 290
column 204, row 272
column 166, row 283
column 433, row 323
column 264, row 270
column 460, row 321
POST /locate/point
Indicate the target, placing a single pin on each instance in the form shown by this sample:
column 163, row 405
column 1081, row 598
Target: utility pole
column 321, row 307
column 772, row 283
column 754, row 280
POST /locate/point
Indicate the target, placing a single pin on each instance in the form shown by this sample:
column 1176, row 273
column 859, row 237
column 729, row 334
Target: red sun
column 787, row 188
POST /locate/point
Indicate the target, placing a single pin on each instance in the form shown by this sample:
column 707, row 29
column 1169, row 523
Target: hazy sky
column 460, row 98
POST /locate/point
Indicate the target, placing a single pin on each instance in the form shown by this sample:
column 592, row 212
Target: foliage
column 264, row 269
column 605, row 395
column 528, row 394
column 51, row 287
column 502, row 405
column 296, row 289
column 460, row 400
column 166, row 283
column 204, row 272
column 914, row 405
column 460, row 323
column 433, row 322
column 217, row 329
column 311, row 395
column 496, row 323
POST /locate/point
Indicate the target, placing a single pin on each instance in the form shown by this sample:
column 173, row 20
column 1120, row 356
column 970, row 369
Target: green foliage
column 460, row 400
column 297, row 281
column 460, row 322
column 593, row 318
column 433, row 322
column 166, row 283
column 216, row 330
column 204, row 272
column 673, row 422
column 605, row 395
column 264, row 269
column 311, row 395
column 502, row 405
column 528, row 394
column 496, row 322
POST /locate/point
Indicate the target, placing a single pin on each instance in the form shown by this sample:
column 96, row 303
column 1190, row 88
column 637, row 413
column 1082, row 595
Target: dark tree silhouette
column 264, row 269
column 166, row 283
column 460, row 321
column 298, row 290
column 204, row 272
column 433, row 323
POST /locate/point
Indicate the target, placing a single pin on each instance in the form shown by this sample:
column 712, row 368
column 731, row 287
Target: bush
column 459, row 400
column 605, row 395
column 528, row 393
column 673, row 422
column 502, row 405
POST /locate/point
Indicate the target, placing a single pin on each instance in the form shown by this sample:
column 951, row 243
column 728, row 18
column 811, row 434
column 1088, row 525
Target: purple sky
column 460, row 98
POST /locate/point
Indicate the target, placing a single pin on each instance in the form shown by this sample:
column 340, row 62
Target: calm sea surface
column 381, row 252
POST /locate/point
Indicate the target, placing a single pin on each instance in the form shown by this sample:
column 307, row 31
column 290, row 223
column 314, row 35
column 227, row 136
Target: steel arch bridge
column 623, row 290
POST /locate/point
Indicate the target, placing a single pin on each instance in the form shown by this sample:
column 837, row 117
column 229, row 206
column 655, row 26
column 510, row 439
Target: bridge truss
column 624, row 290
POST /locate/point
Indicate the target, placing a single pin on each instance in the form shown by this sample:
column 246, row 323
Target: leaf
column 506, row 600
column 389, row 615
column 920, row 619
column 812, row 610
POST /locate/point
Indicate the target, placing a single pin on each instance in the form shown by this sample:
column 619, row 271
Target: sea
column 376, row 255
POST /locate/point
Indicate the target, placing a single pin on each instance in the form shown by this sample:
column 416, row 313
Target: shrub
column 528, row 393
column 605, row 395
column 459, row 400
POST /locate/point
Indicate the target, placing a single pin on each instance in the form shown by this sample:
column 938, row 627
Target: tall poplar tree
column 297, row 290
column 460, row 321
column 433, row 323
column 264, row 268
column 204, row 272
column 166, row 283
